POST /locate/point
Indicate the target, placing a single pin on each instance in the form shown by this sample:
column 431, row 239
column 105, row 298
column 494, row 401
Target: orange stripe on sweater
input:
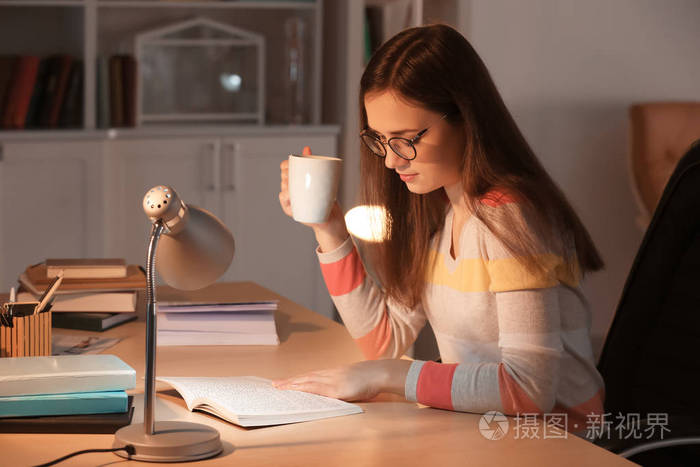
column 434, row 387
column 345, row 275
column 496, row 198
column 513, row 398
column 374, row 343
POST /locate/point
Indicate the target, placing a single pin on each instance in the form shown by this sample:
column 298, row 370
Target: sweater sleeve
column 525, row 380
column 381, row 327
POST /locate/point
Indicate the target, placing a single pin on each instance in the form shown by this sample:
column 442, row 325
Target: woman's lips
column 407, row 177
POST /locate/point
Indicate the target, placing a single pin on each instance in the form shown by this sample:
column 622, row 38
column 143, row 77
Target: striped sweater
column 510, row 340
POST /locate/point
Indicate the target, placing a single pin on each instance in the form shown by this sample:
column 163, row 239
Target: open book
column 253, row 401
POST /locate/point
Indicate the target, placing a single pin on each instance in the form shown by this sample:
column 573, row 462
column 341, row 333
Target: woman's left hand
column 358, row 381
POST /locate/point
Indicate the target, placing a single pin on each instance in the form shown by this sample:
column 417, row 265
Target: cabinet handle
column 228, row 174
column 210, row 167
column 2, row 152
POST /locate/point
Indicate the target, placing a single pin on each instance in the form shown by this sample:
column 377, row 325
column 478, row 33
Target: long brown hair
column 436, row 68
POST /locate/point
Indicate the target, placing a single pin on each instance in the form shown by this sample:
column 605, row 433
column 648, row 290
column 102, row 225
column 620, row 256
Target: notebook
column 103, row 423
column 64, row 373
column 252, row 401
column 74, row 403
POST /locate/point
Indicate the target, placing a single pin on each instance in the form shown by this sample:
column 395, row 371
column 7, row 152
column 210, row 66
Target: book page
column 251, row 396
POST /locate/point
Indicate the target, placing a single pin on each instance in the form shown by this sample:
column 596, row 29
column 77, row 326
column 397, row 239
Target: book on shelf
column 7, row 68
column 38, row 94
column 71, row 111
column 129, row 90
column 107, row 302
column 252, row 401
column 20, row 92
column 35, row 280
column 75, row 403
column 103, row 112
column 88, row 321
column 86, row 268
column 64, row 374
column 116, row 91
column 103, row 423
column 57, row 83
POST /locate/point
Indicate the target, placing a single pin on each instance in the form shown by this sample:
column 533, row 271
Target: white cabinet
column 237, row 178
column 271, row 248
column 51, row 203
column 79, row 194
column 135, row 165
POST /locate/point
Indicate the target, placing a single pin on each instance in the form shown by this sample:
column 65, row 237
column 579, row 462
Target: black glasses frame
column 367, row 133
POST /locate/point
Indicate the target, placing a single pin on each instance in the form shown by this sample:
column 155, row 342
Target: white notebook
column 64, row 373
column 253, row 401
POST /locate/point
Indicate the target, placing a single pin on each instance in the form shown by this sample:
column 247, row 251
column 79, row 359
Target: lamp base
column 173, row 441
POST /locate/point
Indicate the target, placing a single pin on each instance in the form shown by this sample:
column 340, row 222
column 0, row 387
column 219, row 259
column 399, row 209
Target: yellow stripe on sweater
column 500, row 275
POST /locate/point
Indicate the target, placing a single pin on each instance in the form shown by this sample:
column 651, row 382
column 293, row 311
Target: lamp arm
column 149, row 390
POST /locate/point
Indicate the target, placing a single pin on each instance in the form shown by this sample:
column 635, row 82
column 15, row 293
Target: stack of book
column 95, row 295
column 216, row 315
column 65, row 393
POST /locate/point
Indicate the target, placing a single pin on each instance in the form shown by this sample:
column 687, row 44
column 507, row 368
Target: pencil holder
column 24, row 333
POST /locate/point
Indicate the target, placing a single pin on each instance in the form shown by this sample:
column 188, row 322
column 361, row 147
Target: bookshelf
column 88, row 29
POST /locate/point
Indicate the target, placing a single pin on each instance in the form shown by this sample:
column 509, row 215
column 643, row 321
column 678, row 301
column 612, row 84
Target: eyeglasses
column 403, row 147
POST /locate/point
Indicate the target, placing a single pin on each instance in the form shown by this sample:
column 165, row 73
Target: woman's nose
column 392, row 161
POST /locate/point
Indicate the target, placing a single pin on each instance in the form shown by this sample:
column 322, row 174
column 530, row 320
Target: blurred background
column 241, row 84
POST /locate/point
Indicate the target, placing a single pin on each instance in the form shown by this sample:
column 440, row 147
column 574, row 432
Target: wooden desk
column 390, row 432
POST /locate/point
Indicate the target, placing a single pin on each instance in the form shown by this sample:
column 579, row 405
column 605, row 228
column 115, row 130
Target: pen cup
column 24, row 335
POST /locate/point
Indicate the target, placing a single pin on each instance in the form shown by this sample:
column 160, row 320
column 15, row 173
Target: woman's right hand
column 330, row 234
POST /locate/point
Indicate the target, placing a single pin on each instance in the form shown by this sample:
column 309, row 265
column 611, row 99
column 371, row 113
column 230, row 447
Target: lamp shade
column 196, row 249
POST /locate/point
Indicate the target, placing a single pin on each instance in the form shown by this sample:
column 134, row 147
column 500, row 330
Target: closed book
column 205, row 338
column 86, row 268
column 55, row 96
column 87, row 321
column 7, row 67
column 215, row 294
column 170, row 307
column 104, row 423
column 71, row 113
column 76, row 403
column 33, row 119
column 129, row 81
column 34, row 278
column 261, row 322
column 20, row 93
column 63, row 374
column 108, row 302
column 102, row 92
column 116, row 91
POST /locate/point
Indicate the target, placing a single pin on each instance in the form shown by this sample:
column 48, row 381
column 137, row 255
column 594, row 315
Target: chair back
column 651, row 358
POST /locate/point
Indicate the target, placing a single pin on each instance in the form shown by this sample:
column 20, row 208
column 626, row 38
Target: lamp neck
column 150, row 383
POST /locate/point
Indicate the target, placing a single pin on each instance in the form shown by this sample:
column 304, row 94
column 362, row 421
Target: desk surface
column 391, row 431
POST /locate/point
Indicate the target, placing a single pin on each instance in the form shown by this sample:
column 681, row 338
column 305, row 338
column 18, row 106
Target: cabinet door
column 134, row 166
column 51, row 203
column 271, row 248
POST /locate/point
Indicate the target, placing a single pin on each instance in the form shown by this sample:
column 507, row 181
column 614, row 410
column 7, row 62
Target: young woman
column 480, row 242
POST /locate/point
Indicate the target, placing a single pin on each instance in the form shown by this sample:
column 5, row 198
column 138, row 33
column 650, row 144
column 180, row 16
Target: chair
column 650, row 358
column 660, row 132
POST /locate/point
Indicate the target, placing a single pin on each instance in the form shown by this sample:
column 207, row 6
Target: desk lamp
column 194, row 250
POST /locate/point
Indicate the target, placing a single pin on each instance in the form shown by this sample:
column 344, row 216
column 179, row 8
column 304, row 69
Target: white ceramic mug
column 313, row 184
